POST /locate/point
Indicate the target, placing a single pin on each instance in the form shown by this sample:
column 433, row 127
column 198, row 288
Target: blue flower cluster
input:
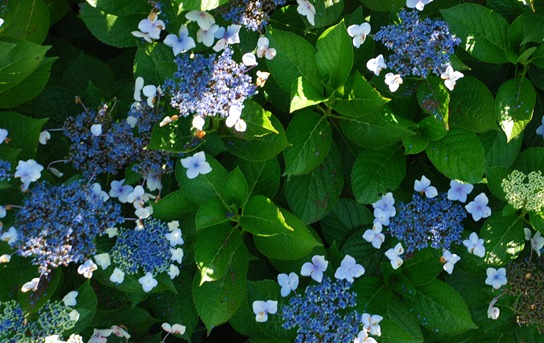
column 253, row 14
column 324, row 313
column 5, row 170
column 118, row 145
column 147, row 249
column 420, row 46
column 52, row 319
column 424, row 222
column 57, row 224
column 209, row 85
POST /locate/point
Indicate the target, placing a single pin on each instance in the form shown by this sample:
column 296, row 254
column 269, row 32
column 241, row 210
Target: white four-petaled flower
column 349, row 269
column 362, row 337
column 234, row 120
column 287, row 283
column 478, row 207
column 371, row 323
column 180, row 43
column 103, row 260
column 393, row 81
column 196, row 165
column 263, row 308
column 227, row 37
column 206, row 35
column 29, row 171
column 118, row 276
column 264, row 50
column 305, row 8
column 376, row 64
column 150, row 28
column 176, row 329
column 449, row 261
column 70, row 299
column 424, row 186
column 315, row 268
column 148, row 282
column 450, row 77
column 11, row 236
column 459, row 191
column 359, row 33
column 475, row 245
column 496, row 277
column 394, row 254
column 375, row 235
column 87, row 269
column 202, row 18
column 31, row 285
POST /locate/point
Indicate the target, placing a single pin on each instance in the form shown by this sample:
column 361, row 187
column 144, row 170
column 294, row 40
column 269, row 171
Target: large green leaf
column 515, row 103
column 503, row 238
column 235, row 188
column 344, row 218
column 214, row 249
column 499, row 152
column 483, row 33
column 217, row 301
column 472, row 106
column 260, row 148
column 18, row 61
column 433, row 98
column 205, row 186
column 312, row 196
column 23, row 132
column 376, row 172
column 310, row 136
column 174, row 206
column 113, row 21
column 441, row 309
column 154, row 62
column 530, row 160
column 262, row 177
column 377, row 129
column 304, row 94
column 459, row 156
column 401, row 326
column 26, row 20
column 290, row 244
column 212, row 213
column 86, row 306
column 295, row 57
column 82, row 71
column 262, row 217
column 358, row 98
column 334, row 55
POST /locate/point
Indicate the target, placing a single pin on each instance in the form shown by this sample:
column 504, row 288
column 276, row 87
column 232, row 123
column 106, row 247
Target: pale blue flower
column 478, row 208
column 315, row 268
column 496, row 278
column 287, row 283
column 424, row 186
column 181, row 43
column 459, row 191
column 349, row 269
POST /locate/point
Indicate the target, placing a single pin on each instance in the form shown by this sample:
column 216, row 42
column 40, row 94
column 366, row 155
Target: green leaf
column 29, row 88
column 406, row 329
column 344, row 218
column 23, row 132
column 260, row 148
column 377, row 129
column 373, row 293
column 334, row 55
column 530, row 160
column 494, row 176
column 82, row 71
column 113, row 21
column 310, row 136
column 328, row 12
column 295, row 57
column 304, row 94
column 235, row 188
column 483, row 33
column 217, row 301
column 459, row 156
column 173, row 137
column 432, row 128
column 214, row 249
column 261, row 217
column 174, row 206
column 154, row 62
column 258, row 121
column 383, row 5
column 26, row 20
column 376, row 172
column 472, row 106
column 442, row 309
column 205, row 186
column 211, row 213
column 423, row 267
column 433, row 98
column 290, row 244
column 415, row 144
column 262, row 177
column 499, row 152
column 312, row 196
column 504, row 238
column 358, row 98
column 515, row 103
column 18, row 61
